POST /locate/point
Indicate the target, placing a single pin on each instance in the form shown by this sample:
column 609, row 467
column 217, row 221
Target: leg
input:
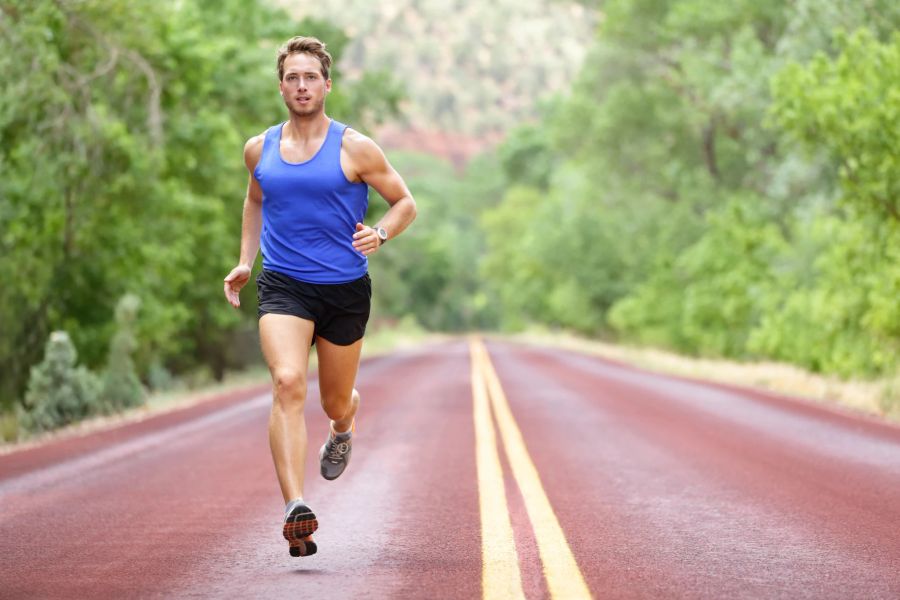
column 337, row 374
column 285, row 343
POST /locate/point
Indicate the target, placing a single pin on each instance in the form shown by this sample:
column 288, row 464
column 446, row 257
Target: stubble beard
column 309, row 111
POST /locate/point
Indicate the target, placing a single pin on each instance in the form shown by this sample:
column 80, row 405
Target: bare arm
column 371, row 166
column 250, row 227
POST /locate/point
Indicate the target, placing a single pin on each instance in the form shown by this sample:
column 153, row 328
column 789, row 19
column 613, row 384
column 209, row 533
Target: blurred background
column 717, row 179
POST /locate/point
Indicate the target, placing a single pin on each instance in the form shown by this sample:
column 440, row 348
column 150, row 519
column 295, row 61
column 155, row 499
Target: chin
column 306, row 111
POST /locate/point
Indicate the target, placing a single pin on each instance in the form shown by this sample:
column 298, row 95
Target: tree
column 120, row 135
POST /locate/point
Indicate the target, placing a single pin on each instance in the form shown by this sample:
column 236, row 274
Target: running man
column 306, row 199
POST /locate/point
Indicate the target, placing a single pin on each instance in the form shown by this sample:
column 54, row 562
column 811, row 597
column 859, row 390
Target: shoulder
column 361, row 149
column 253, row 150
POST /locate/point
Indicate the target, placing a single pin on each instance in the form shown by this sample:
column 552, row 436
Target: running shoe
column 299, row 525
column 335, row 453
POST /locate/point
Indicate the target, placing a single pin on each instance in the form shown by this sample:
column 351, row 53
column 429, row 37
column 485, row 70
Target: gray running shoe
column 335, row 454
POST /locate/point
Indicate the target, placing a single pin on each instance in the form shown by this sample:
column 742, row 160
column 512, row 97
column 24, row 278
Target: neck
column 306, row 126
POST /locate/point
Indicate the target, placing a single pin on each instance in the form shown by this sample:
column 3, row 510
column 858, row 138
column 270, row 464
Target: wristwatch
column 381, row 232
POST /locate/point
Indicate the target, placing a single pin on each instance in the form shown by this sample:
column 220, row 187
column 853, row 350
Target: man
column 306, row 199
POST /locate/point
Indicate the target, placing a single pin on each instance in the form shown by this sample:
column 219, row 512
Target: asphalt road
column 495, row 471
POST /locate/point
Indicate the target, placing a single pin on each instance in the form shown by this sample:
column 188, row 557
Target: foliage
column 59, row 392
column 846, row 319
column 850, row 106
column 722, row 180
column 121, row 386
column 428, row 271
column 121, row 127
column 713, row 289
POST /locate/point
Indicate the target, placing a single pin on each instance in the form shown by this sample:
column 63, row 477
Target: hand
column 235, row 280
column 365, row 240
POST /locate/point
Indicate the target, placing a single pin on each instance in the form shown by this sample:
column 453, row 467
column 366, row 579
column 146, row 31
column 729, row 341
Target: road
column 479, row 471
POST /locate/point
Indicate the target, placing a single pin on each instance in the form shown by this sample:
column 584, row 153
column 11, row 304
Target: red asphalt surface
column 664, row 488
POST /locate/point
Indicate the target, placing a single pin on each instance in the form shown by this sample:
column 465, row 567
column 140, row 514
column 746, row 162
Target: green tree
column 849, row 106
column 722, row 180
column 121, row 126
column 845, row 318
column 430, row 272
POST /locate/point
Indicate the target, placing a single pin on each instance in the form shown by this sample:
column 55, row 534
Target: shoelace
column 337, row 450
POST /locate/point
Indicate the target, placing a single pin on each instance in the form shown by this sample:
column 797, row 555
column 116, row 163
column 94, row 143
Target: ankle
column 292, row 504
column 342, row 428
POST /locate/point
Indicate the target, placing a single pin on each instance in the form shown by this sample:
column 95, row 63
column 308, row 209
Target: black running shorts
column 340, row 311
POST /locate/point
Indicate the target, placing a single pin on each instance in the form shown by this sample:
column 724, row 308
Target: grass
column 877, row 397
column 381, row 338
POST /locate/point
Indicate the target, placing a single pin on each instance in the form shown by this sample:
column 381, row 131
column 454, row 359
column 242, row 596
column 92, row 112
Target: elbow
column 413, row 210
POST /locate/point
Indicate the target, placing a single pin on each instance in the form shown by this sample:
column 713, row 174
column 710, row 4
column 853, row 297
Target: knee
column 338, row 406
column 290, row 385
column 334, row 407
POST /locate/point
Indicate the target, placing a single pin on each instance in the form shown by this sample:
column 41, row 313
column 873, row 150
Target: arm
column 371, row 166
column 250, row 227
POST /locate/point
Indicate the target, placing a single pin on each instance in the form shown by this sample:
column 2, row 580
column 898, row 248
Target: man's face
column 303, row 87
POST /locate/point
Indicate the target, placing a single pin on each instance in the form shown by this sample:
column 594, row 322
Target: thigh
column 337, row 367
column 285, row 341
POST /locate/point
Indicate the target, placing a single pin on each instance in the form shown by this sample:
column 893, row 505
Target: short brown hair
column 304, row 45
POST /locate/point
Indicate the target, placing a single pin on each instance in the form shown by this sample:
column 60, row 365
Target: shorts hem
column 261, row 312
column 336, row 343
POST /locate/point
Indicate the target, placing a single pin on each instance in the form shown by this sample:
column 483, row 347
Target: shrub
column 121, row 386
column 59, row 392
column 889, row 400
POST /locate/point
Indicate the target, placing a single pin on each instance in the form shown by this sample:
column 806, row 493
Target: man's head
column 304, row 66
column 305, row 45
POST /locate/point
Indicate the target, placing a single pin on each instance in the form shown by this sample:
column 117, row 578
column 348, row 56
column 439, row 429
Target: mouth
column 303, row 99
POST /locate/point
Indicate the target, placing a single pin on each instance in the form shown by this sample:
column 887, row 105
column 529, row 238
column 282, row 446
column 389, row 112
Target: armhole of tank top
column 340, row 150
column 262, row 154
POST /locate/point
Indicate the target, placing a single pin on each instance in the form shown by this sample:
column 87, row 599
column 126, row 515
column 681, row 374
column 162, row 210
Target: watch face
column 382, row 233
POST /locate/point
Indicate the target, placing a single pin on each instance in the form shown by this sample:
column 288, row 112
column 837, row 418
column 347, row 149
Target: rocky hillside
column 471, row 70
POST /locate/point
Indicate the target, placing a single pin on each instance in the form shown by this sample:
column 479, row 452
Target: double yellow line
column 500, row 561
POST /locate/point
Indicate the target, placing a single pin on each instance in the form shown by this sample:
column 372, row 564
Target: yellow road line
column 564, row 578
column 500, row 577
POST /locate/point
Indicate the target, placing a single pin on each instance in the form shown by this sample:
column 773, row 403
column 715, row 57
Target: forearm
column 399, row 216
column 250, row 229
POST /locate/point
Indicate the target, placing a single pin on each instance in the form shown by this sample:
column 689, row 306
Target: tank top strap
column 336, row 129
column 271, row 144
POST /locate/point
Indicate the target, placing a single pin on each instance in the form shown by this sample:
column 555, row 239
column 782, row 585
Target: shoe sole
column 302, row 548
column 301, row 523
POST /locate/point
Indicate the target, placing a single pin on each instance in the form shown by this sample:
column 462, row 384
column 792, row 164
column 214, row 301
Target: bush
column 889, row 400
column 159, row 378
column 121, row 386
column 59, row 392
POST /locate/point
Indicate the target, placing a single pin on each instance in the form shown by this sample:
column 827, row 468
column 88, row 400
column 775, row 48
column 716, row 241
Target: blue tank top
column 310, row 211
